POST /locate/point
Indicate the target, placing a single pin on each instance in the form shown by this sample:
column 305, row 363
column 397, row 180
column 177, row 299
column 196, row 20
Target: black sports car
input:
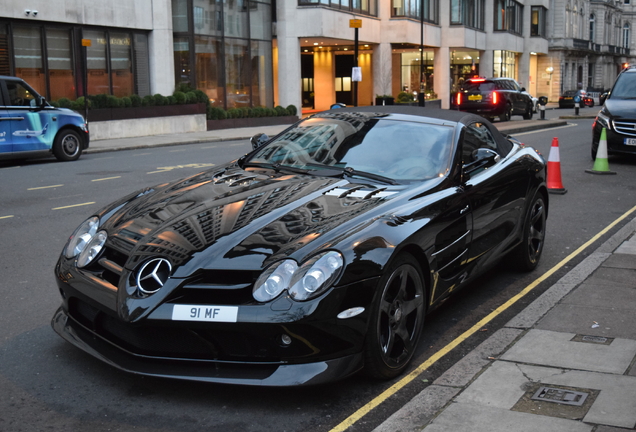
column 314, row 256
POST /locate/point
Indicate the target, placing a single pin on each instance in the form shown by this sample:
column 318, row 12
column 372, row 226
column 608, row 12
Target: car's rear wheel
column 396, row 321
column 529, row 112
column 507, row 114
column 67, row 145
column 527, row 255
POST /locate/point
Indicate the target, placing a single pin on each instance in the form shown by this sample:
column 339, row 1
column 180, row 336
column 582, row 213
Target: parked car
column 492, row 97
column 30, row 127
column 568, row 99
column 315, row 255
column 618, row 116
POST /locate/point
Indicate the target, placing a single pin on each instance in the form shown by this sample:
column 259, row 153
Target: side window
column 476, row 136
column 19, row 95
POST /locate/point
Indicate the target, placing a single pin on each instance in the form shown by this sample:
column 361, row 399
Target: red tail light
column 459, row 98
column 495, row 98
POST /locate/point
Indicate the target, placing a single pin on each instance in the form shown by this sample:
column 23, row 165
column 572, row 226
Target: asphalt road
column 46, row 384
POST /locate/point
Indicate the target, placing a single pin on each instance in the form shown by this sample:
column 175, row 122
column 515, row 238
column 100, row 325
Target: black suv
column 492, row 97
column 618, row 115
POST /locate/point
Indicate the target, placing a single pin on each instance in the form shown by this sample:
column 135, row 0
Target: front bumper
column 257, row 374
column 615, row 141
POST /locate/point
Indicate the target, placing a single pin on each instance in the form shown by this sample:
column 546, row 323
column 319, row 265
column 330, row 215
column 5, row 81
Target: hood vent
column 236, row 179
column 360, row 192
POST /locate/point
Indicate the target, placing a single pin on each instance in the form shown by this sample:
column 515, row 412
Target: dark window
column 411, row 9
column 476, row 136
column 537, row 21
column 508, row 16
column 469, row 13
column 366, row 7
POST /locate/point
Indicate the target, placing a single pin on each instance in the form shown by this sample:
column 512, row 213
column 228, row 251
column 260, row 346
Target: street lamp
column 550, row 70
column 420, row 95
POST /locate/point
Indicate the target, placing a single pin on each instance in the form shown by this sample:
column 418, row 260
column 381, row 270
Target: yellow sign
column 355, row 23
column 86, row 42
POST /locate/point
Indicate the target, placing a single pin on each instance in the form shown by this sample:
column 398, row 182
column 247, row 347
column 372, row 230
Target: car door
column 5, row 127
column 29, row 126
column 496, row 197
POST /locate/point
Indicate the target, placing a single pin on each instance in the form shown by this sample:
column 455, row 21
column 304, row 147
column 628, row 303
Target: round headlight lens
column 274, row 280
column 81, row 237
column 92, row 249
column 316, row 275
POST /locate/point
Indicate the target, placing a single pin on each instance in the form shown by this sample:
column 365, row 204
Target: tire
column 67, row 145
column 526, row 256
column 529, row 112
column 505, row 116
column 397, row 318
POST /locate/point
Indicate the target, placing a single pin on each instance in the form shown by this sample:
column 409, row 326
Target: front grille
column 625, row 127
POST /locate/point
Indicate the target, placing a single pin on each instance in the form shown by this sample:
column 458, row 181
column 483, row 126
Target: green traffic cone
column 601, row 165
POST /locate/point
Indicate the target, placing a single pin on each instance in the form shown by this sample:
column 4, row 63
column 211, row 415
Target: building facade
column 302, row 52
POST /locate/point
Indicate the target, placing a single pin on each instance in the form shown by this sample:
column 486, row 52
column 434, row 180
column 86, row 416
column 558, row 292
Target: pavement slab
column 556, row 349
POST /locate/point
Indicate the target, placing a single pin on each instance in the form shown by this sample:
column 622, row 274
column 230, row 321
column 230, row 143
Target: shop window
column 209, row 68
column 27, row 44
column 142, row 66
column 504, row 64
column 237, row 73
column 121, row 64
column 60, row 64
column 97, row 71
column 262, row 93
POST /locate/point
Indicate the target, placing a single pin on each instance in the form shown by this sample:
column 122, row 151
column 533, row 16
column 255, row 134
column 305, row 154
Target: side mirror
column 602, row 98
column 523, row 89
column 482, row 158
column 337, row 105
column 258, row 140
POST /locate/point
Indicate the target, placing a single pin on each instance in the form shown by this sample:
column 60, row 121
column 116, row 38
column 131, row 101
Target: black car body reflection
column 314, row 256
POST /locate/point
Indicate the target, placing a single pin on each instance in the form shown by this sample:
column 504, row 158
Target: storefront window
column 28, row 57
column 237, row 73
column 235, row 24
column 181, row 60
column 209, row 69
column 262, row 93
column 121, row 64
column 464, row 65
column 98, row 82
column 60, row 64
column 5, row 66
column 505, row 64
column 410, row 73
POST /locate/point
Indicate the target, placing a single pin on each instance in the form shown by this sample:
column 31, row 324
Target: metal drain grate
column 560, row 396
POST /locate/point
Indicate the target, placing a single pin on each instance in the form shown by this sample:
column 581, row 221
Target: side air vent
column 361, row 192
column 238, row 179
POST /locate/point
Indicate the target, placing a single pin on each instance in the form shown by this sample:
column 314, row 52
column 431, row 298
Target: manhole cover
column 560, row 396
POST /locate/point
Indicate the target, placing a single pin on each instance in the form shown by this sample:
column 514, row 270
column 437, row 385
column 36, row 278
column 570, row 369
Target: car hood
column 620, row 108
column 238, row 220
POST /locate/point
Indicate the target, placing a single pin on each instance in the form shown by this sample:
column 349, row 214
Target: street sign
column 355, row 23
column 86, row 42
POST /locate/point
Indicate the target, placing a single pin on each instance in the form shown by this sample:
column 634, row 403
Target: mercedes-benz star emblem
column 153, row 275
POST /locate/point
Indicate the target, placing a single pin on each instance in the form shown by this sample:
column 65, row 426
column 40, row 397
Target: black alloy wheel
column 529, row 112
column 67, row 145
column 507, row 114
column 397, row 318
column 527, row 255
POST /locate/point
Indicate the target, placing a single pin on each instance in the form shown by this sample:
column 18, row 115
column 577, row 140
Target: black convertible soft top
column 434, row 113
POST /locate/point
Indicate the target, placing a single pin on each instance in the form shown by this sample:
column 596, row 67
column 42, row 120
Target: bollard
column 542, row 112
column 576, row 108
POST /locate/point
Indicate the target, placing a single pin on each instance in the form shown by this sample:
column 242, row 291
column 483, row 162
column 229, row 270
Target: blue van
column 30, row 127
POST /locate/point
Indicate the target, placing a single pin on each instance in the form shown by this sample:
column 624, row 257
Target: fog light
column 286, row 339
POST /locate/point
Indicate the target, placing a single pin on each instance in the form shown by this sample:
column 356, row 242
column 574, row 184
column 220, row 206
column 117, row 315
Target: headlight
column 92, row 249
column 603, row 120
column 309, row 280
column 316, row 275
column 81, row 237
column 274, row 280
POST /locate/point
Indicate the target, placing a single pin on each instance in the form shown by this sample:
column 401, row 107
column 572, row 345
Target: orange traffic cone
column 555, row 185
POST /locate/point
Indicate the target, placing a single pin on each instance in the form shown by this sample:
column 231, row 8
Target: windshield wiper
column 276, row 167
column 350, row 172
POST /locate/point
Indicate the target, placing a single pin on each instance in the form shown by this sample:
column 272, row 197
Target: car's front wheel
column 396, row 321
column 67, row 145
column 526, row 256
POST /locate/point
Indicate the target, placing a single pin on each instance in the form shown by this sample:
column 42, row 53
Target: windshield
column 396, row 149
column 625, row 87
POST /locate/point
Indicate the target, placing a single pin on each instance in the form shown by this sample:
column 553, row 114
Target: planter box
column 250, row 122
column 108, row 114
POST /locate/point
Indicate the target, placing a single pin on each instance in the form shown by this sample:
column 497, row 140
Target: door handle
column 464, row 210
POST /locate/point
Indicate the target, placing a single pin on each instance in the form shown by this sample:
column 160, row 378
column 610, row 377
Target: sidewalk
column 99, row 146
column 565, row 363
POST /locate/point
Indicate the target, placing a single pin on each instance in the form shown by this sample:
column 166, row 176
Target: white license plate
column 630, row 141
column 204, row 313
